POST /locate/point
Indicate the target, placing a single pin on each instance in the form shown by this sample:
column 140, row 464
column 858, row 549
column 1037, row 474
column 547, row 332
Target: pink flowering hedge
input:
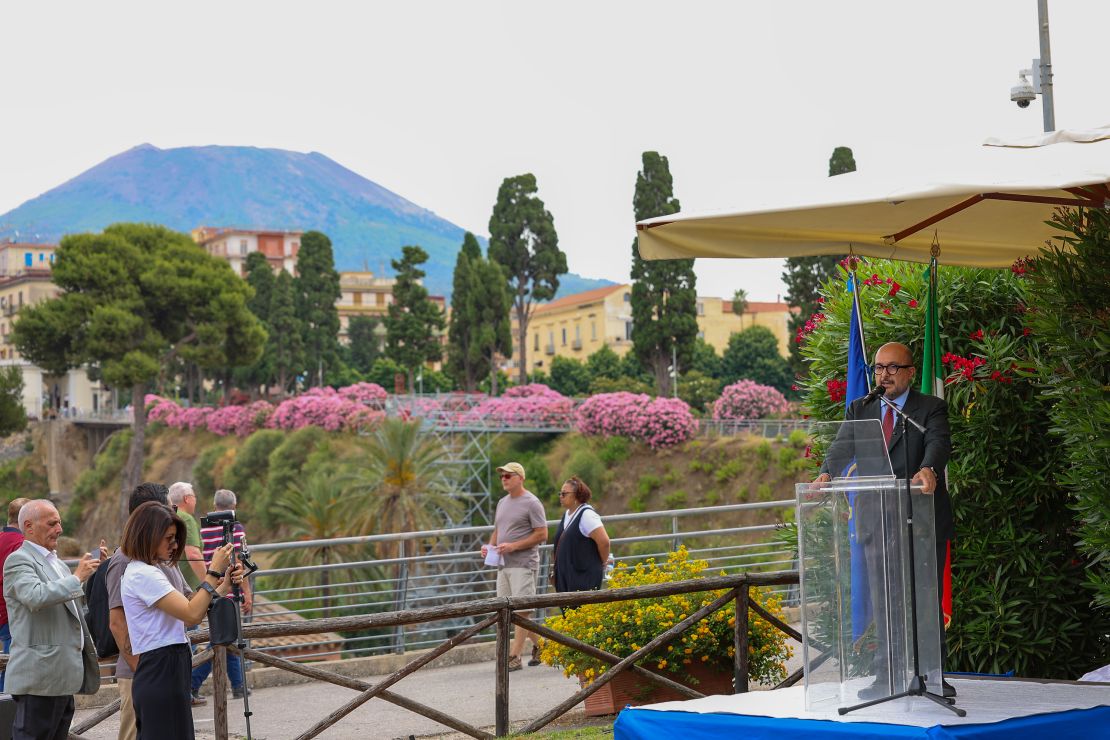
column 659, row 422
column 534, row 405
column 747, row 399
column 348, row 408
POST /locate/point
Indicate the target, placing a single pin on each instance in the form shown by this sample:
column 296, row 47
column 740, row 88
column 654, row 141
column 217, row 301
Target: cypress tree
column 414, row 322
column 664, row 292
column 317, row 289
column 465, row 360
column 523, row 241
column 285, row 347
column 805, row 275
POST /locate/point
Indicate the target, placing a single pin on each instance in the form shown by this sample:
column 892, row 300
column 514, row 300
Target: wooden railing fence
column 501, row 614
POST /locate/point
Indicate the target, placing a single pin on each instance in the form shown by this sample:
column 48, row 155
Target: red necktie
column 888, row 424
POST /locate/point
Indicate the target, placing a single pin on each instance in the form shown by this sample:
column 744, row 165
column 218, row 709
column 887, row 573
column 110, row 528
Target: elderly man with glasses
column 519, row 528
column 928, row 456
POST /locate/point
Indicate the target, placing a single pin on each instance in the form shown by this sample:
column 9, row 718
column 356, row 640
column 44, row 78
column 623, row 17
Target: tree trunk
column 492, row 377
column 133, row 468
column 662, row 375
column 522, row 341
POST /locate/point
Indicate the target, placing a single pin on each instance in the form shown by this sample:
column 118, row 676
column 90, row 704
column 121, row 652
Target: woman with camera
column 156, row 616
column 581, row 542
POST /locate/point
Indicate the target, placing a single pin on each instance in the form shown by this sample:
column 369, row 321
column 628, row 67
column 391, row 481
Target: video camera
column 226, row 520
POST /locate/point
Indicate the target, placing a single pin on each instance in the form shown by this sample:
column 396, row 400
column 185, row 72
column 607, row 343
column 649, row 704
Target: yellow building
column 717, row 322
column 25, row 279
column 363, row 294
column 578, row 325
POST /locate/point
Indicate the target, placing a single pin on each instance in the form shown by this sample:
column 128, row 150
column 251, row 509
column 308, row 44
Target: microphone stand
column 917, row 685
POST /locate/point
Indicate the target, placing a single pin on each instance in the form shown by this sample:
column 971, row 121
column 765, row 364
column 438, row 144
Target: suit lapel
column 48, row 573
column 909, row 409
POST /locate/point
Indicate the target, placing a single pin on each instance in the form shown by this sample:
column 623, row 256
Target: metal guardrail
column 456, row 573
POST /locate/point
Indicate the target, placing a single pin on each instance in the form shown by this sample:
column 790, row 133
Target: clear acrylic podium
column 854, row 566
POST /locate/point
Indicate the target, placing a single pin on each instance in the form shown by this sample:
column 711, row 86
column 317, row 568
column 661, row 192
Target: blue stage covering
column 647, row 724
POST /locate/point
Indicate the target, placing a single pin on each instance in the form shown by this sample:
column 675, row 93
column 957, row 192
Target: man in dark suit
column 928, row 453
column 53, row 656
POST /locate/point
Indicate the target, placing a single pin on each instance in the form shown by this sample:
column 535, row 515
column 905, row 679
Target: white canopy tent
column 987, row 210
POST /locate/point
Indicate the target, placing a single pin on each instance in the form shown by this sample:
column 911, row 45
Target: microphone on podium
column 876, row 392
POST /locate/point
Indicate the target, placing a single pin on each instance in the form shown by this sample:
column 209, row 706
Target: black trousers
column 42, row 717
column 160, row 693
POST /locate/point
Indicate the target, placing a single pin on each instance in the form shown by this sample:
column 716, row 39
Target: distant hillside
column 247, row 186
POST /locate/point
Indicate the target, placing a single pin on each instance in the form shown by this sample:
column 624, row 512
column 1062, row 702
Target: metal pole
column 1047, row 104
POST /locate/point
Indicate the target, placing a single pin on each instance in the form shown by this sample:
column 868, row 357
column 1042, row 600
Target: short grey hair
column 32, row 510
column 224, row 500
column 178, row 492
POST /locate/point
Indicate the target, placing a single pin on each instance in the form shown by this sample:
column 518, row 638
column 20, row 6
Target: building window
column 551, row 337
column 536, row 344
column 701, row 335
column 28, row 259
column 627, row 297
column 564, row 336
column 593, row 330
column 243, row 247
column 42, row 257
column 578, row 332
column 701, row 309
column 628, row 331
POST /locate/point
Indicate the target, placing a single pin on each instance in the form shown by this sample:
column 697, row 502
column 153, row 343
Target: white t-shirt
column 148, row 626
column 588, row 520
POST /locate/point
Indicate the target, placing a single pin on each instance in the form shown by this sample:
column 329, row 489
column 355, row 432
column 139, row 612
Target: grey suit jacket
column 45, row 618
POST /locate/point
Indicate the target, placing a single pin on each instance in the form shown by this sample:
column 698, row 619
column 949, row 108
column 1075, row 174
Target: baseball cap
column 513, row 467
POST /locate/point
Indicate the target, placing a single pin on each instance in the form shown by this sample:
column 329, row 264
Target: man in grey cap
column 519, row 528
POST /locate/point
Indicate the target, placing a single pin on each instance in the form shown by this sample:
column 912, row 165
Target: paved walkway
column 463, row 691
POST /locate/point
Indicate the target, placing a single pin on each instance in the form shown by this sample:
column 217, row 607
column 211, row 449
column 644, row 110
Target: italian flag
column 932, row 384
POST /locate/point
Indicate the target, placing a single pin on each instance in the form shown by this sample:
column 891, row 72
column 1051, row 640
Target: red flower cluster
column 876, row 280
column 976, row 336
column 1001, row 377
column 962, row 366
column 913, row 303
column 1022, row 266
column 838, row 389
column 849, row 263
column 894, row 287
column 810, row 325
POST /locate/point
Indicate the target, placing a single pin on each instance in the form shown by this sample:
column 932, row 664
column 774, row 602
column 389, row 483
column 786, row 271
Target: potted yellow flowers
column 702, row 657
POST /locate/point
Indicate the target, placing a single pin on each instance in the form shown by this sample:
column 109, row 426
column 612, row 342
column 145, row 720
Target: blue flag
column 859, row 385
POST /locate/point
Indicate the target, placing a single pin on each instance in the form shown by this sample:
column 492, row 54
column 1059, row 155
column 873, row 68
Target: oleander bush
column 747, row 399
column 657, row 422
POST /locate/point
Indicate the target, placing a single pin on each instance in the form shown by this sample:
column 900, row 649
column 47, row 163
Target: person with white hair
column 183, row 499
column 53, row 655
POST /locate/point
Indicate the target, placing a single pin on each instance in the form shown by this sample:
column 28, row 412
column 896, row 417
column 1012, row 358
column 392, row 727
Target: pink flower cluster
column 747, row 399
column 351, row 407
column 534, row 405
column 326, row 408
column 660, row 422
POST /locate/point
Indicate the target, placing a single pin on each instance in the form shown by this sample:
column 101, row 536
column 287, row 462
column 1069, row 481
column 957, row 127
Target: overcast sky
column 439, row 101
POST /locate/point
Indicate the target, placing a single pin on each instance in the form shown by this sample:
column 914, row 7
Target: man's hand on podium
column 823, row 478
column 927, row 479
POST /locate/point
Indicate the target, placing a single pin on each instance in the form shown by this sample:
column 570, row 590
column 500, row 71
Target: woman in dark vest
column 581, row 544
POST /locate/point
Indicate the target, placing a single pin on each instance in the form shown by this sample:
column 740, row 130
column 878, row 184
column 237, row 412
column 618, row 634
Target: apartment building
column 235, row 244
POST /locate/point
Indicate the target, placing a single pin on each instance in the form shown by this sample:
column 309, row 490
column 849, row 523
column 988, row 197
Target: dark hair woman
column 581, row 542
column 156, row 616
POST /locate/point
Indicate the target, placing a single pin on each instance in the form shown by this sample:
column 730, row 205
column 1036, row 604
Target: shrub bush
column 658, row 423
column 588, row 466
column 747, row 399
column 622, row 627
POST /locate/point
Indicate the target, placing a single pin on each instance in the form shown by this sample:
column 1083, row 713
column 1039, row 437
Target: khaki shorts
column 516, row 582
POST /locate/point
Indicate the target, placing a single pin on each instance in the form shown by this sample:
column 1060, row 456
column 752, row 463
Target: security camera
column 1024, row 92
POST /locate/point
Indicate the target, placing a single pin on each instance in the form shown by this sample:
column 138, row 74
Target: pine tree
column 285, row 347
column 664, row 292
column 317, row 289
column 414, row 322
column 523, row 241
column 805, row 275
column 465, row 360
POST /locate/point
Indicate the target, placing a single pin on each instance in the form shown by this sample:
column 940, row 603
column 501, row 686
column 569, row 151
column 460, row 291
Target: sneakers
column 196, row 699
column 237, row 693
column 514, row 663
column 535, row 656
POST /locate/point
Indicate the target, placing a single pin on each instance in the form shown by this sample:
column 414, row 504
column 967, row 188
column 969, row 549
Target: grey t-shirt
column 515, row 519
column 116, row 565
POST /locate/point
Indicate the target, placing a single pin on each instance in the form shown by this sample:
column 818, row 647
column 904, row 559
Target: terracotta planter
column 628, row 689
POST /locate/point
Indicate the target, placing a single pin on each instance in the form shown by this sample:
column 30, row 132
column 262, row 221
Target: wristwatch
column 214, row 573
column 206, row 586
column 930, row 468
